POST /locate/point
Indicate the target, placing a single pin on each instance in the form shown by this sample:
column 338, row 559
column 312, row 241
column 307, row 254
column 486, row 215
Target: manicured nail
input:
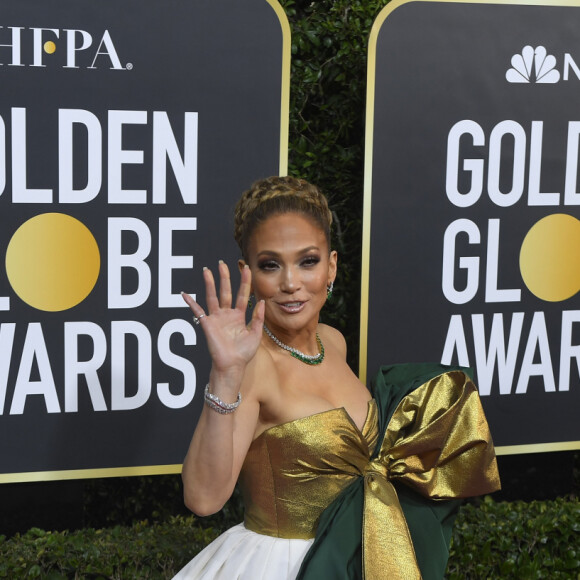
column 220, row 262
column 204, row 268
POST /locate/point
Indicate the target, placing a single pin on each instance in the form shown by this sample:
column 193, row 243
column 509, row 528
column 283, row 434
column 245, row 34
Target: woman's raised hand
column 232, row 343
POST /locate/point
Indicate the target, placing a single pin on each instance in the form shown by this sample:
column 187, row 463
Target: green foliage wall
column 327, row 112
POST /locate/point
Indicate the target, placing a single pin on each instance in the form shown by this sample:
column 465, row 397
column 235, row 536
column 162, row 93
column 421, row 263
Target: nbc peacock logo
column 533, row 65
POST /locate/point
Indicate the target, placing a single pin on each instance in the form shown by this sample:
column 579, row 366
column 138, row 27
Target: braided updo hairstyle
column 274, row 196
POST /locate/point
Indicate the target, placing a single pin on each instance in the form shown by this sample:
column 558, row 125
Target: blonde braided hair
column 276, row 195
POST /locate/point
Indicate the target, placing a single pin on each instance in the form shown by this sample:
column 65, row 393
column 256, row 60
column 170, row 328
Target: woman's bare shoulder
column 332, row 337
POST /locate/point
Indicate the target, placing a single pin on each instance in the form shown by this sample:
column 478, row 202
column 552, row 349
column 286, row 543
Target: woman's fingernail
column 220, row 262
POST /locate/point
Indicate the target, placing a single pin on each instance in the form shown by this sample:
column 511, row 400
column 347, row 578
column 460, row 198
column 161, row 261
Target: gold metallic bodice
column 293, row 471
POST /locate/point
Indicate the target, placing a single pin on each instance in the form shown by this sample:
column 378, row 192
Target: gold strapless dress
column 292, row 472
column 322, row 476
column 295, row 470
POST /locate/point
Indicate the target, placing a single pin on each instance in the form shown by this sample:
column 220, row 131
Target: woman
column 284, row 413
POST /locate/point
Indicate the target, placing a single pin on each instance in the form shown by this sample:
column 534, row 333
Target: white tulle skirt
column 240, row 554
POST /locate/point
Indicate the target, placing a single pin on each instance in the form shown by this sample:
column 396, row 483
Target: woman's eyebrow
column 274, row 253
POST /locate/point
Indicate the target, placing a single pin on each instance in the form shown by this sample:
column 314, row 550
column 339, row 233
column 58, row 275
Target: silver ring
column 197, row 319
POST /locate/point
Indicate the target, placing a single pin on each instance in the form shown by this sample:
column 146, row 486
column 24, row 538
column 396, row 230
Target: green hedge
column 490, row 540
column 517, row 540
column 141, row 551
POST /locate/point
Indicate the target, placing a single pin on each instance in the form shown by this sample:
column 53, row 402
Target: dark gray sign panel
column 472, row 206
column 127, row 132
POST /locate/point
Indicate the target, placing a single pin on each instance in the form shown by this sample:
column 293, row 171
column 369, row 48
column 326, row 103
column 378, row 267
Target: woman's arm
column 220, row 442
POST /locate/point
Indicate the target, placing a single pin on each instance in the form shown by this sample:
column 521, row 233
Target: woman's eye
column 310, row 261
column 268, row 265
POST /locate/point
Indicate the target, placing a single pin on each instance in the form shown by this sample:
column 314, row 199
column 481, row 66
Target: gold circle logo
column 49, row 47
column 53, row 262
column 550, row 258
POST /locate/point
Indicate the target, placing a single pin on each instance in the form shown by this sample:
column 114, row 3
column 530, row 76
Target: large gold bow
column 438, row 443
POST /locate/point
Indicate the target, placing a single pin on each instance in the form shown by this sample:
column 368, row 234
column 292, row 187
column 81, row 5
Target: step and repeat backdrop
column 472, row 206
column 128, row 131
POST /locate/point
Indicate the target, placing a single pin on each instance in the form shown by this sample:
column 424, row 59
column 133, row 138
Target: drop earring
column 251, row 301
column 329, row 290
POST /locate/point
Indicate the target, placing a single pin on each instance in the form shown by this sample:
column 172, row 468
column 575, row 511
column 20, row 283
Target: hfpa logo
column 34, row 47
column 535, row 65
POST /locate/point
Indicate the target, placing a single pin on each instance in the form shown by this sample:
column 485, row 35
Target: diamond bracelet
column 219, row 406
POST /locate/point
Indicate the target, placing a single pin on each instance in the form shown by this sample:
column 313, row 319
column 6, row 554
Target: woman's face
column 291, row 268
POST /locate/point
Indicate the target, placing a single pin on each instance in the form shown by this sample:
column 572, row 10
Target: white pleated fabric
column 240, row 554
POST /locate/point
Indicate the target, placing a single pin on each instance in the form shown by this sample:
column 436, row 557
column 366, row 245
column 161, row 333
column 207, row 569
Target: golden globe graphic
column 52, row 262
column 550, row 258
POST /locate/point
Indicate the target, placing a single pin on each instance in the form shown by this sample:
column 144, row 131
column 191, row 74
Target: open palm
column 231, row 342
